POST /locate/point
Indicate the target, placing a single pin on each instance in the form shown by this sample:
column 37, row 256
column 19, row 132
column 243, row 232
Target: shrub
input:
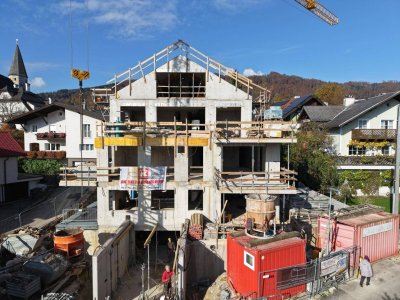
column 40, row 166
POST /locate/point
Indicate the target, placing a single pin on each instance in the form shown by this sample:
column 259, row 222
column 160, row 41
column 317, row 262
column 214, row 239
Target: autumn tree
column 312, row 159
column 331, row 93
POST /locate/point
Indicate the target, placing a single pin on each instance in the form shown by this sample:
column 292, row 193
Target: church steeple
column 17, row 70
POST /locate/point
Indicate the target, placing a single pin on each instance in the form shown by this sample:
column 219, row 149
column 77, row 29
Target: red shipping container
column 377, row 234
column 252, row 270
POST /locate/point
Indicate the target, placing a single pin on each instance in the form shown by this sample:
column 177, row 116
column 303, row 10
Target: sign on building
column 377, row 229
column 142, row 178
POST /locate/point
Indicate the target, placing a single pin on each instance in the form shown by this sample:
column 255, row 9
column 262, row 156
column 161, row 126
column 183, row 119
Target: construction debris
column 58, row 296
column 23, row 285
column 49, row 267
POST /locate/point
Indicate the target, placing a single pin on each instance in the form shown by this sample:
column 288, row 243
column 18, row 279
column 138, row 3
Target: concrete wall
column 191, row 266
column 110, row 262
column 11, row 165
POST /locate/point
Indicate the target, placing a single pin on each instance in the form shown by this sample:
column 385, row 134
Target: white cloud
column 251, row 72
column 232, row 6
column 38, row 82
column 129, row 19
column 40, row 66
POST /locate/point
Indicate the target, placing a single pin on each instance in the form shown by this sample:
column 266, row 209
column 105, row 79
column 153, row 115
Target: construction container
column 377, row 234
column 253, row 270
column 70, row 242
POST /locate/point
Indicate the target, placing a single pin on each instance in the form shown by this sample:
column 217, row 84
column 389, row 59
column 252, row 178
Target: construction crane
column 319, row 10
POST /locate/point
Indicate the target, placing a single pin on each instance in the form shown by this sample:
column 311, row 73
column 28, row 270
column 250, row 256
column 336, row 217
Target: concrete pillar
column 151, row 112
column 181, row 201
column 246, row 115
column 181, row 167
column 273, row 159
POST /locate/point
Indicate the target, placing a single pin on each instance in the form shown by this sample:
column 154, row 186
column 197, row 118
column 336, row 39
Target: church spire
column 17, row 70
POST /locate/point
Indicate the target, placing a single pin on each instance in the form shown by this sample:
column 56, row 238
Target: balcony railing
column 182, row 133
column 89, row 173
column 50, row 135
column 379, row 160
column 256, row 180
column 46, row 154
column 373, row 134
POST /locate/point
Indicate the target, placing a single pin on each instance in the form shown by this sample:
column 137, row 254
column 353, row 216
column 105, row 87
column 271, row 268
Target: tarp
column 142, row 178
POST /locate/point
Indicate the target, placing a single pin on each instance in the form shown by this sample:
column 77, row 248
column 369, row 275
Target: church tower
column 18, row 73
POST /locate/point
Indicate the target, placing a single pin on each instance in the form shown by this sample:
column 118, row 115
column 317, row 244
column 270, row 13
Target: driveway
column 385, row 284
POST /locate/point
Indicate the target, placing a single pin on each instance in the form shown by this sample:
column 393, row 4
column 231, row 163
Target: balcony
column 193, row 134
column 50, row 135
column 263, row 182
column 373, row 134
column 46, row 154
column 379, row 160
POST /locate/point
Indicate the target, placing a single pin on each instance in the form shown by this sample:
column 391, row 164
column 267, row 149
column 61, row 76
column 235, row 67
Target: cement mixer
column 260, row 211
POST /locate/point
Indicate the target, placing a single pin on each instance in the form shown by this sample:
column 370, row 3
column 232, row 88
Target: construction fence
column 318, row 275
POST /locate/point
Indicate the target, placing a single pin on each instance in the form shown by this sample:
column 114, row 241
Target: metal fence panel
column 296, row 275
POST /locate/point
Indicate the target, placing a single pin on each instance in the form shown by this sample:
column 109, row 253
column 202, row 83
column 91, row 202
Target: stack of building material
column 195, row 231
column 23, row 285
column 58, row 296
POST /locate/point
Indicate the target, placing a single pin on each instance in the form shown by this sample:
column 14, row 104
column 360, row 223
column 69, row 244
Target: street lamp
column 328, row 244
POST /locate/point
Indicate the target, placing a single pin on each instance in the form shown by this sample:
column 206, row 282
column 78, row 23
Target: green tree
column 312, row 159
column 332, row 93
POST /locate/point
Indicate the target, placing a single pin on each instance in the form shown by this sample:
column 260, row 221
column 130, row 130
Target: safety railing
column 143, row 68
column 151, row 128
column 73, row 176
column 255, row 180
column 225, row 130
column 220, row 130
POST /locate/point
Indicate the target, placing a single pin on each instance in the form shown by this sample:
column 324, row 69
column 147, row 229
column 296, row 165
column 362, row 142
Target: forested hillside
column 282, row 87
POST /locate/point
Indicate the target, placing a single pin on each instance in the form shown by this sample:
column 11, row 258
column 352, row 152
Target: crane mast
column 319, row 10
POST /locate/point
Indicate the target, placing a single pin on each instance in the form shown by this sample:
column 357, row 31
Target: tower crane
column 320, row 11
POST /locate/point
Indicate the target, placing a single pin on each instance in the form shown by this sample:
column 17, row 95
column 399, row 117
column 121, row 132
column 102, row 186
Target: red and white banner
column 142, row 178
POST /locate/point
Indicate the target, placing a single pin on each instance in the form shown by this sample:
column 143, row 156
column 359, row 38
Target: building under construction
column 185, row 135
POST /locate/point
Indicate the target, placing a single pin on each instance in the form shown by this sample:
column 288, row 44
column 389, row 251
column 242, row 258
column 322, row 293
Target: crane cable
column 86, row 36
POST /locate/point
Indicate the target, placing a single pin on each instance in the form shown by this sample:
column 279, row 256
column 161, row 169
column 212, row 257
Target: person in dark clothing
column 365, row 270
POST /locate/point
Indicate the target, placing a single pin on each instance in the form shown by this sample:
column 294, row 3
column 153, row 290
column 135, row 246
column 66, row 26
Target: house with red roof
column 13, row 185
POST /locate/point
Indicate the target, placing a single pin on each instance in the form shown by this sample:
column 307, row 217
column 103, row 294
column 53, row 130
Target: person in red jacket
column 166, row 280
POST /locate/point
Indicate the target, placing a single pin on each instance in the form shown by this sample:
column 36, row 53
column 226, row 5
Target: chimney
column 50, row 100
column 27, row 87
column 349, row 100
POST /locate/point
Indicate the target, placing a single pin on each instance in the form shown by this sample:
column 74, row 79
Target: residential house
column 56, row 128
column 363, row 131
column 15, row 94
column 13, row 185
column 291, row 108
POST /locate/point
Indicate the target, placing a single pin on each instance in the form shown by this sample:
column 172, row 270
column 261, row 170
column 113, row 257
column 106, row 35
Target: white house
column 15, row 94
column 12, row 184
column 364, row 128
column 56, row 128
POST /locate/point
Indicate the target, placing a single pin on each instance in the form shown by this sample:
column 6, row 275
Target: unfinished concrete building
column 200, row 119
column 203, row 124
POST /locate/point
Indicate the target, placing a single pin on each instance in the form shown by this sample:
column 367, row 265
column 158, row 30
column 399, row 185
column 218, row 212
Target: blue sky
column 258, row 35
